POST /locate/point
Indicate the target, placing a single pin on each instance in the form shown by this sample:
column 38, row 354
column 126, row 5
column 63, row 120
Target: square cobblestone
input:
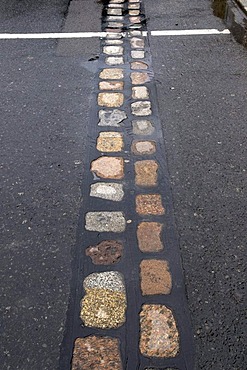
column 112, row 74
column 142, row 127
column 137, row 54
column 111, row 117
column 140, row 92
column 149, row 237
column 146, row 173
column 141, row 147
column 110, row 99
column 141, row 108
column 138, row 78
column 111, row 85
column 115, row 11
column 110, row 141
column 108, row 167
column 155, row 277
column 113, row 61
column 105, row 221
column 139, row 65
column 149, row 204
column 107, row 190
column 113, row 50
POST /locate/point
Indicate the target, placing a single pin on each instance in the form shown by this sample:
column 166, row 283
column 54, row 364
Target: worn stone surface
column 110, row 99
column 112, row 61
column 138, row 78
column 115, row 5
column 146, row 173
column 139, row 65
column 137, row 43
column 159, row 333
column 114, row 18
column 111, row 280
column 149, row 237
column 114, row 11
column 111, row 117
column 96, row 353
column 110, row 141
column 135, row 19
column 107, row 190
column 113, row 50
column 113, row 36
column 141, row 108
column 113, row 42
column 135, row 33
column 155, row 277
column 140, row 147
column 105, row 222
column 134, row 12
column 142, row 127
column 149, row 204
column 114, row 25
column 112, row 73
column 135, row 26
column 137, row 54
column 111, row 85
column 108, row 167
column 134, row 6
column 107, row 252
column 140, row 92
column 103, row 308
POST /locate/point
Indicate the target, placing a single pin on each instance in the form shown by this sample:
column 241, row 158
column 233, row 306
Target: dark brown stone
column 155, row 277
column 107, row 252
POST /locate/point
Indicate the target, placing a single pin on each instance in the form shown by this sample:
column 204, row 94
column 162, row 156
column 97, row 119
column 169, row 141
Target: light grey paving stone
column 107, row 190
column 105, row 221
column 142, row 127
column 113, row 50
column 137, row 43
column 137, row 54
column 113, row 42
column 140, row 92
column 112, row 61
column 141, row 108
column 111, row 118
column 111, row 280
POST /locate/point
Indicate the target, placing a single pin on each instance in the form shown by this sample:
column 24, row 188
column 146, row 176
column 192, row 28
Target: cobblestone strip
column 128, row 306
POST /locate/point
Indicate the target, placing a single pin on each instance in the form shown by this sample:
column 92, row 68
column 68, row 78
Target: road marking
column 79, row 35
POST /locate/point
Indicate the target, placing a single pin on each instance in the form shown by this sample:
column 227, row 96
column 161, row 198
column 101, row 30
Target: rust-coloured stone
column 146, row 173
column 155, row 277
column 140, row 147
column 107, row 252
column 159, row 333
column 149, row 204
column 108, row 167
column 96, row 353
column 149, row 237
column 138, row 78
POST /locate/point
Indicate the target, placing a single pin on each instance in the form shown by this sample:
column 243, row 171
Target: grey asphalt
column 45, row 102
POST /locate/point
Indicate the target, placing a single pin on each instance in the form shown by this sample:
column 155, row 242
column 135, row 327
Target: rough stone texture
column 113, row 50
column 108, row 167
column 103, row 308
column 135, row 26
column 113, row 42
column 111, row 117
column 111, row 280
column 134, row 12
column 141, row 108
column 155, row 277
column 149, row 204
column 137, row 43
column 114, row 25
column 138, row 78
column 159, row 334
column 112, row 61
column 110, row 141
column 140, row 92
column 135, row 19
column 110, row 99
column 115, row 5
column 116, row 1
column 111, row 85
column 146, row 173
column 105, row 222
column 135, row 33
column 113, row 36
column 139, row 65
column 112, row 73
column 107, row 190
column 149, row 237
column 142, row 127
column 134, row 6
column 140, row 147
column 115, row 18
column 96, row 353
column 114, row 11
column 107, row 252
column 137, row 54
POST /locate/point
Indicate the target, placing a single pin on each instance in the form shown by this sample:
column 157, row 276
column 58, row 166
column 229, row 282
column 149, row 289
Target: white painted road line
column 190, row 32
column 76, row 35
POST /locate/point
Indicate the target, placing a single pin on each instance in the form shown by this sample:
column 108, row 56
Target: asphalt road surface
column 45, row 100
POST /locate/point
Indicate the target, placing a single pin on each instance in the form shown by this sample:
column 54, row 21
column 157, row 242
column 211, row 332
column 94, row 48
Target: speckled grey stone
column 111, row 280
column 105, row 222
column 107, row 190
column 112, row 61
column 111, row 117
column 142, row 127
column 113, row 50
column 141, row 108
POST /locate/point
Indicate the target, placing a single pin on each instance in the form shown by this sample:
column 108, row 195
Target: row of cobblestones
column 105, row 299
